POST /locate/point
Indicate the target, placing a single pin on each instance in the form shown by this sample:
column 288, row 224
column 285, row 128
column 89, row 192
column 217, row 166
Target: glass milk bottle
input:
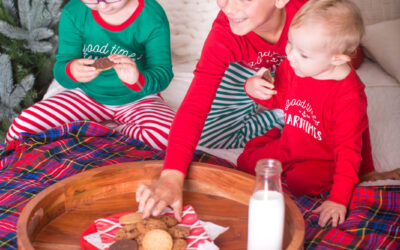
column 266, row 208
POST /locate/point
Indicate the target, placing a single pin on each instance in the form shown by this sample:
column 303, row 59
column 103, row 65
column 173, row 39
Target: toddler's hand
column 126, row 68
column 330, row 210
column 82, row 70
column 258, row 87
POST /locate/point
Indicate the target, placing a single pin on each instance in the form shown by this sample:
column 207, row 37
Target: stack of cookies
column 155, row 233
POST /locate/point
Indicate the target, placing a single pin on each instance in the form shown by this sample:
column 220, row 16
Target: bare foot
column 387, row 175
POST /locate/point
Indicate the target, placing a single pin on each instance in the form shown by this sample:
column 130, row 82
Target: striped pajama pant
column 148, row 119
column 233, row 119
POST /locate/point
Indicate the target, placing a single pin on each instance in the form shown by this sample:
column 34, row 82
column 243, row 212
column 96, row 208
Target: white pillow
column 375, row 11
column 190, row 22
column 382, row 42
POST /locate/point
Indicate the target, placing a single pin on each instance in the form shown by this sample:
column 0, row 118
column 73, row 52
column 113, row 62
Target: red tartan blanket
column 34, row 162
column 372, row 222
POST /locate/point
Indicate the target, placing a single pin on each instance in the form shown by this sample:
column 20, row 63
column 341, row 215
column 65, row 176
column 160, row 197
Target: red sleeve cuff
column 175, row 160
column 341, row 194
column 138, row 86
column 68, row 71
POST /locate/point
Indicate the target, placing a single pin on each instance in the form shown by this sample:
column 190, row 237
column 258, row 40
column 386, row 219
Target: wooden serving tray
column 57, row 216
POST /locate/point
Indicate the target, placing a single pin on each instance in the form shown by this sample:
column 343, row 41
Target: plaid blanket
column 34, row 162
column 372, row 222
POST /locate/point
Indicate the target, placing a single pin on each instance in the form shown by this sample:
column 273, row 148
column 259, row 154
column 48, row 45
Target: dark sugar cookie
column 268, row 77
column 103, row 64
column 124, row 245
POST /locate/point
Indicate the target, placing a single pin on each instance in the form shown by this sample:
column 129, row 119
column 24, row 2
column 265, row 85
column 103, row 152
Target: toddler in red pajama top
column 325, row 108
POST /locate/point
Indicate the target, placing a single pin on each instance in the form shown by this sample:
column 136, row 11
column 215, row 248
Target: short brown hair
column 341, row 19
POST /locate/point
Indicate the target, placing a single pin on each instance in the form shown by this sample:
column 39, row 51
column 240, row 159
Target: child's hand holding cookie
column 126, row 68
column 82, row 70
column 261, row 85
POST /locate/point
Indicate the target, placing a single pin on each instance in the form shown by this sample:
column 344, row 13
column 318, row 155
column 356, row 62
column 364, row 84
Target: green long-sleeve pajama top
column 144, row 37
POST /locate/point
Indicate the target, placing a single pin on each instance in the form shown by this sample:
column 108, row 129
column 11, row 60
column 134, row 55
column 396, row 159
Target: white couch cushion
column 383, row 93
column 382, row 42
column 375, row 11
column 373, row 75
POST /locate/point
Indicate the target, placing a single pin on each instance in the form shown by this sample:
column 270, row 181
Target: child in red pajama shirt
column 324, row 104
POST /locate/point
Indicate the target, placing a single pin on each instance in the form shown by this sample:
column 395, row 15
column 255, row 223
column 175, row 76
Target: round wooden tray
column 57, row 216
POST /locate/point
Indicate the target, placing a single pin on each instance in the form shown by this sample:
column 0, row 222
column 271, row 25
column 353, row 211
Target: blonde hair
column 341, row 20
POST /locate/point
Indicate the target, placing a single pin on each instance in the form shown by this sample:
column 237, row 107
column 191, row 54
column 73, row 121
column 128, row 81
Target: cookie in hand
column 103, row 63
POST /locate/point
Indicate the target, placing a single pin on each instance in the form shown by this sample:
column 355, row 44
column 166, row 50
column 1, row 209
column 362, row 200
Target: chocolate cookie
column 179, row 231
column 155, row 224
column 120, row 235
column 103, row 64
column 124, row 245
column 141, row 227
column 139, row 239
column 267, row 76
column 131, row 231
column 169, row 220
column 179, row 244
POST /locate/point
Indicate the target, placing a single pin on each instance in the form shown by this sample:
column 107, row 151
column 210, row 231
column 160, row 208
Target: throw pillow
column 382, row 42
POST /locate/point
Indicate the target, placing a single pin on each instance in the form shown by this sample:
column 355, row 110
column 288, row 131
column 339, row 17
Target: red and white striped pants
column 148, row 119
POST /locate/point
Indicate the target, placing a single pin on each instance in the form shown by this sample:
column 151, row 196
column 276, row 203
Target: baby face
column 247, row 15
column 307, row 52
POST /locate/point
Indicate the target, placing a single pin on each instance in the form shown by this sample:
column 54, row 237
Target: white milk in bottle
column 266, row 208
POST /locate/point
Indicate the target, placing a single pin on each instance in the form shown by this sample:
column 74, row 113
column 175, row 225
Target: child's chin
column 238, row 31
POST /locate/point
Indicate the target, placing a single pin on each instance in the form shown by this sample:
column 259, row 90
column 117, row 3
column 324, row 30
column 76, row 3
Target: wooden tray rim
column 27, row 213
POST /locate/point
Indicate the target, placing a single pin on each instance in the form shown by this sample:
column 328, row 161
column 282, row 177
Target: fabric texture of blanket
column 34, row 162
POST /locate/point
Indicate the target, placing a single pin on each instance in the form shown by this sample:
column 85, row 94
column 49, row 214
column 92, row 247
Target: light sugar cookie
column 131, row 218
column 157, row 239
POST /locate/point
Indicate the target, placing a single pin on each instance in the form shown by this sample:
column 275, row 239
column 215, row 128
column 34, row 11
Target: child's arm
column 349, row 121
column 68, row 71
column 219, row 50
column 266, row 93
column 157, row 74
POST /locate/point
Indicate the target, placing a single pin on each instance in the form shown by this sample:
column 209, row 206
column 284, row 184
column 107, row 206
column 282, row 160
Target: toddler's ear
column 281, row 3
column 340, row 59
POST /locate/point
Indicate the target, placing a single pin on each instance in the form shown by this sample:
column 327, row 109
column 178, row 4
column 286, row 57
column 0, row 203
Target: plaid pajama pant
column 148, row 119
column 233, row 119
